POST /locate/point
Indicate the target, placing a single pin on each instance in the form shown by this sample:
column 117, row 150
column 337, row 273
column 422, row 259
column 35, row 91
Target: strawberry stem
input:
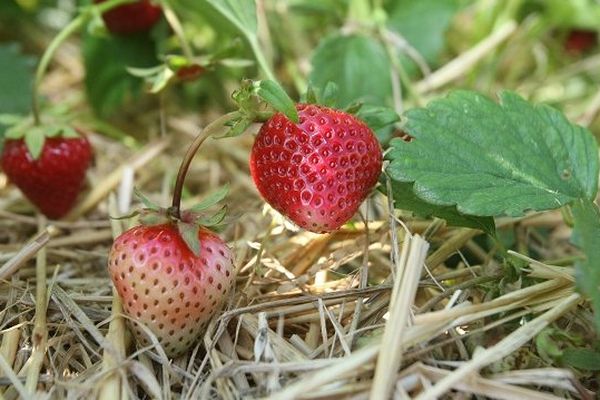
column 211, row 129
column 67, row 31
column 175, row 24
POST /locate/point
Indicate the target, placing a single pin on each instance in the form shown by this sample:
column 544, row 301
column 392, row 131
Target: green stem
column 262, row 61
column 175, row 24
column 67, row 31
column 207, row 132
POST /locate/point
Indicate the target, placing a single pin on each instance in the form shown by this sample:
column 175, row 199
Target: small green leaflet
column 212, row 220
column 189, row 234
column 587, row 236
column 493, row 159
column 145, row 200
column 273, row 94
column 211, row 199
column 34, row 140
column 405, row 199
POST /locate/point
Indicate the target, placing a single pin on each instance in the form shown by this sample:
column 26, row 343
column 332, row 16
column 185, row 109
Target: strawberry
column 131, row 18
column 52, row 181
column 317, row 172
column 166, row 286
column 579, row 41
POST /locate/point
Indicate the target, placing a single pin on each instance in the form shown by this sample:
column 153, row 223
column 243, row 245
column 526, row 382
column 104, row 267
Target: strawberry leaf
column 238, row 127
column 274, row 95
column 493, row 159
column 330, row 94
column 405, row 199
column 34, row 140
column 378, row 117
column 357, row 64
column 587, row 236
column 68, row 132
column 145, row 200
column 241, row 13
column 16, row 79
column 189, row 234
column 212, row 220
column 584, row 359
column 211, row 199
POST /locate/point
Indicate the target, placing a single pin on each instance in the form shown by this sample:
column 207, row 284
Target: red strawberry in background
column 579, row 41
column 53, row 179
column 131, row 18
column 317, row 172
column 167, row 287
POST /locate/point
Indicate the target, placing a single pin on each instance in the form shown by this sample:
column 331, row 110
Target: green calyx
column 188, row 222
column 34, row 135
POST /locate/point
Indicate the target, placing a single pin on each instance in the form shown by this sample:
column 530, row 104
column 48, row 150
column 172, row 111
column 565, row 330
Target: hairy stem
column 207, row 132
column 67, row 31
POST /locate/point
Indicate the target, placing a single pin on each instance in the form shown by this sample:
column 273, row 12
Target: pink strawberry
column 168, row 288
column 317, row 172
column 53, row 180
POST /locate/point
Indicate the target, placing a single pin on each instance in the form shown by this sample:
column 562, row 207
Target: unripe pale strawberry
column 317, row 172
column 168, row 288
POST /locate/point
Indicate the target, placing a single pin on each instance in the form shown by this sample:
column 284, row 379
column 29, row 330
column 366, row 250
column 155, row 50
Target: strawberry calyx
column 188, row 222
column 35, row 135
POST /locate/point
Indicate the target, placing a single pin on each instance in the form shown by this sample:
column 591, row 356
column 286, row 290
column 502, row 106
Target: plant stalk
column 67, row 31
column 207, row 132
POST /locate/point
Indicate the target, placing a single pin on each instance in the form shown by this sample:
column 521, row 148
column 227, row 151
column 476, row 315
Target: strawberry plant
column 411, row 199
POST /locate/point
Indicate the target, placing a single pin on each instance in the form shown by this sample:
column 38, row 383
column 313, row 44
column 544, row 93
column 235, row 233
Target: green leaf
column 378, row 117
column 145, row 200
column 274, row 95
column 69, row 132
column 211, row 199
column 330, row 94
column 584, row 359
column 214, row 219
column 406, row 199
column 241, row 13
column 189, row 234
column 423, row 23
column 357, row 64
column 587, row 237
column 493, row 159
column 238, row 127
column 16, row 80
column 34, row 140
column 109, row 85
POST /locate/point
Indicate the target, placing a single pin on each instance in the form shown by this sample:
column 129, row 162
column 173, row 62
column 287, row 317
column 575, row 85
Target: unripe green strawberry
column 317, row 172
column 168, row 288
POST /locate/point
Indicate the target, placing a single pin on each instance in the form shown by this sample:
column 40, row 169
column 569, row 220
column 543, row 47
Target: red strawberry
column 52, row 181
column 164, row 285
column 131, row 18
column 580, row 40
column 316, row 173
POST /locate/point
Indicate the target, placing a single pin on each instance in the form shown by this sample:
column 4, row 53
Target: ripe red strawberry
column 580, row 40
column 164, row 285
column 52, row 181
column 316, row 173
column 131, row 18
